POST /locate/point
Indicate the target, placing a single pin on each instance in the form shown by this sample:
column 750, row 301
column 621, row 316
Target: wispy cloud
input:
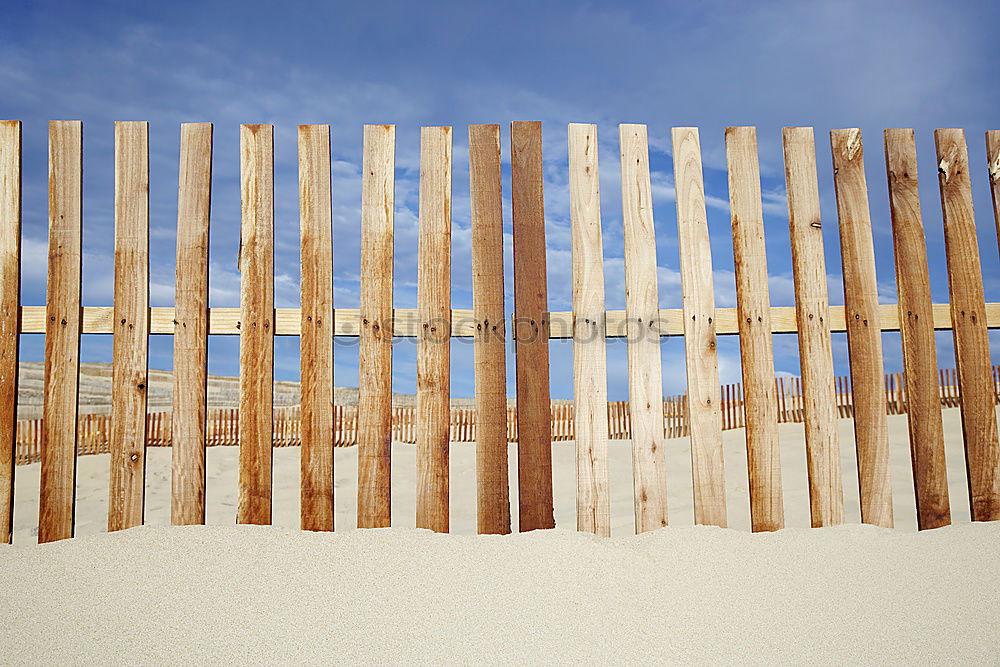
column 870, row 65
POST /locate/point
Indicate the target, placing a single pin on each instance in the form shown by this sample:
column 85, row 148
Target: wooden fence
column 130, row 320
column 94, row 430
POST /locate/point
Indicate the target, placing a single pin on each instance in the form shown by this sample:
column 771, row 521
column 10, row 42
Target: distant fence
column 703, row 413
column 94, row 430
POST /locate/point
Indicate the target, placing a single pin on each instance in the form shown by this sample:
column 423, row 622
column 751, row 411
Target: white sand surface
column 222, row 473
column 261, row 595
column 224, row 593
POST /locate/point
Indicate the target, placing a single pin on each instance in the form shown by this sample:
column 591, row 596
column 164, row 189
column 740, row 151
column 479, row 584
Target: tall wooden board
column 972, row 345
column 126, row 490
column 531, row 330
column 590, row 376
column 864, row 331
column 189, row 409
column 434, row 339
column 492, row 483
column 375, row 333
column 316, row 341
column 57, row 494
column 10, row 313
column 256, row 263
column 916, row 322
column 705, row 419
column 649, row 478
column 754, row 313
column 812, row 316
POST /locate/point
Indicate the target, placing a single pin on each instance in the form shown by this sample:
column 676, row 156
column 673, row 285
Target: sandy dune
column 223, row 391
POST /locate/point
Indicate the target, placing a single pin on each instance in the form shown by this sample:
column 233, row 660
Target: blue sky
column 846, row 64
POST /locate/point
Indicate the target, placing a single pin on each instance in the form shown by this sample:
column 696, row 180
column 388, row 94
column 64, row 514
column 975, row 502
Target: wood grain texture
column 531, row 329
column 57, row 495
column 347, row 321
column 316, row 342
column 126, row 490
column 590, row 373
column 377, row 325
column 864, row 334
column 699, row 331
column 188, row 427
column 649, row 468
column 993, row 164
column 256, row 263
column 434, row 342
column 812, row 311
column 753, row 305
column 972, row 346
column 492, row 483
column 10, row 301
column 923, row 393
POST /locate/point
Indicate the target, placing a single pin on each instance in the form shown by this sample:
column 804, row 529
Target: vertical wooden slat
column 374, row 434
column 812, row 315
column 534, row 420
column 864, row 331
column 434, row 337
column 188, row 429
column 492, row 483
column 127, row 445
column 256, row 264
column 754, row 314
column 972, row 346
column 993, row 162
column 57, row 497
column 727, row 406
column 699, row 331
column 649, row 475
column 590, row 377
column 316, row 338
column 916, row 319
column 10, row 301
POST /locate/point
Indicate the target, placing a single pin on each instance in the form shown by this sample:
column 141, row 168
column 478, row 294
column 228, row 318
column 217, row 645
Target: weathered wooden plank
column 256, row 263
column 347, row 321
column 126, row 490
column 188, row 428
column 826, row 491
column 649, row 469
column 993, row 163
column 57, row 495
column 756, row 351
column 590, row 374
column 10, row 301
column 864, row 334
column 377, row 327
column 492, row 483
column 972, row 345
column 531, row 329
column 923, row 393
column 699, row 331
column 316, row 342
column 434, row 342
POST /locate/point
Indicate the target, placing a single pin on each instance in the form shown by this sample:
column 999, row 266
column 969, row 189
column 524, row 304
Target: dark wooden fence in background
column 94, row 430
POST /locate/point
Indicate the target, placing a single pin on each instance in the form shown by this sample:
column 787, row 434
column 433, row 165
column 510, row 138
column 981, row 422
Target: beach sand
column 222, row 474
column 261, row 595
column 248, row 594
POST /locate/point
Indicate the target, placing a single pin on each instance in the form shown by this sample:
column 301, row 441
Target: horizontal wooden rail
column 288, row 321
